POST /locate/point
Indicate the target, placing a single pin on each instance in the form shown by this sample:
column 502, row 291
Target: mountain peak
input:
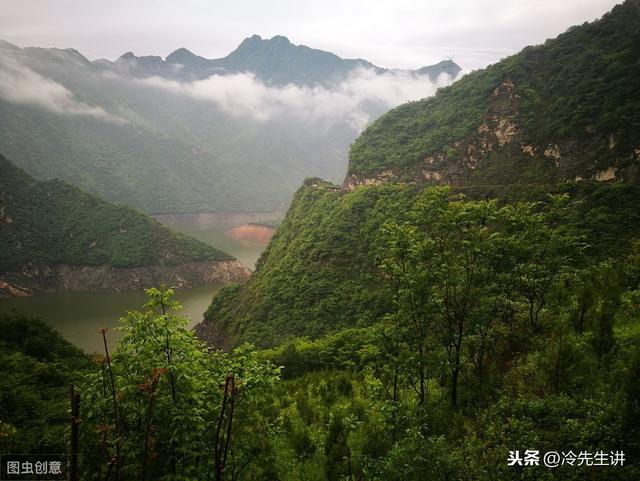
column 280, row 39
column 181, row 55
column 127, row 56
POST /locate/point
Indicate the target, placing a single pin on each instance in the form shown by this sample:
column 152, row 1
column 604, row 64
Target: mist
column 356, row 100
column 21, row 85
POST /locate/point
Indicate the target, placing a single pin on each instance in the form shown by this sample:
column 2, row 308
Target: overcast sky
column 396, row 33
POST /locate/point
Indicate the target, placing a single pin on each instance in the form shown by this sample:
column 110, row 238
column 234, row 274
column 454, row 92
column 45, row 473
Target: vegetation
column 498, row 335
column 403, row 332
column 166, row 407
column 44, row 223
column 577, row 89
column 321, row 271
column 37, row 366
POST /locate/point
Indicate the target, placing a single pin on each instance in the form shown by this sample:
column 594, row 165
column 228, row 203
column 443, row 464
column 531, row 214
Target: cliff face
column 64, row 277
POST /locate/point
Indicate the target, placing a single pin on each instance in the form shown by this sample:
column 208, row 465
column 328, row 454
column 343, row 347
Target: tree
column 164, row 406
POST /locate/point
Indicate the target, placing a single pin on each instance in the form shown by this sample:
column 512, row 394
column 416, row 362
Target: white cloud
column 22, row 85
column 353, row 100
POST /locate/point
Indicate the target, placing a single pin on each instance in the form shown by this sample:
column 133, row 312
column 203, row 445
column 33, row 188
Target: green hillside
column 320, row 272
column 565, row 109
column 46, row 223
column 436, row 332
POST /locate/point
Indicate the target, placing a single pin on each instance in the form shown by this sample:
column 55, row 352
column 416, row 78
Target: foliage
column 53, row 222
column 165, row 407
column 579, row 88
column 320, row 272
column 37, row 366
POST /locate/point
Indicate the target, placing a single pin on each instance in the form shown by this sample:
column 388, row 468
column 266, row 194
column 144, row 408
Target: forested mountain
column 214, row 139
column 565, row 110
column 329, row 236
column 471, row 290
column 54, row 236
column 464, row 307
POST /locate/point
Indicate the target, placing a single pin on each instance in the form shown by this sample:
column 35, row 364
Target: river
column 79, row 315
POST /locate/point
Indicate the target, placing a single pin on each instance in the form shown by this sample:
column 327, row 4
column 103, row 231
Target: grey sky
column 396, row 33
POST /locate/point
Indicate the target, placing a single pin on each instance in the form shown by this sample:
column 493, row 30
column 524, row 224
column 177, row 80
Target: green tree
column 166, row 407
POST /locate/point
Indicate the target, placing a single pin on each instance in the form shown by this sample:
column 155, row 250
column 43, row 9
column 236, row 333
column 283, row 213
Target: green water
column 79, row 315
column 213, row 232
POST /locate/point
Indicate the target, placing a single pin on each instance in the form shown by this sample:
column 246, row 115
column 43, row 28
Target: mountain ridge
column 566, row 110
column 276, row 61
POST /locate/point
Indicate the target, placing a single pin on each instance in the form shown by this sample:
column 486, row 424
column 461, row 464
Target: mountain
column 275, row 61
column 54, row 236
column 473, row 285
column 162, row 136
column 565, row 110
column 147, row 148
column 557, row 118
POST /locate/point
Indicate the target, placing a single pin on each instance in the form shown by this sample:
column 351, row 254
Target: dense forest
column 395, row 329
column 54, row 222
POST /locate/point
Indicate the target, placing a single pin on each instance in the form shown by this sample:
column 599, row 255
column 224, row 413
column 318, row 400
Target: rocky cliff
column 567, row 110
column 64, row 277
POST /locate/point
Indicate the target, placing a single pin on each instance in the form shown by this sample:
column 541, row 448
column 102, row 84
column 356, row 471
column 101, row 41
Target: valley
column 284, row 264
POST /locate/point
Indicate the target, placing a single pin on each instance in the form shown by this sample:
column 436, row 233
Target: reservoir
column 79, row 315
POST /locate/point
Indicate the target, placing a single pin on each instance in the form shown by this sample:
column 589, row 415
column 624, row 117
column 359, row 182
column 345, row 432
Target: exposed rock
column 64, row 277
column 252, row 233
column 7, row 290
column 505, row 131
column 606, row 175
column 553, row 152
column 431, row 175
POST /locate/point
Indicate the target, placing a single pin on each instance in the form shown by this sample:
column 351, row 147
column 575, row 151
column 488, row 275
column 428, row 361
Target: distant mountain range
column 275, row 61
column 189, row 134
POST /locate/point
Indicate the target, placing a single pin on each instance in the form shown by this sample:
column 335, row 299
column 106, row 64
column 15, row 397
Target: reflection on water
column 79, row 315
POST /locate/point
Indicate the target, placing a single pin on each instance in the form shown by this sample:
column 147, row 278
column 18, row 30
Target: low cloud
column 356, row 100
column 22, row 85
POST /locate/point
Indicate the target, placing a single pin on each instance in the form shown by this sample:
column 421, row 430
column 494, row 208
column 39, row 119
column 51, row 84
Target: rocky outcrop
column 498, row 152
column 63, row 277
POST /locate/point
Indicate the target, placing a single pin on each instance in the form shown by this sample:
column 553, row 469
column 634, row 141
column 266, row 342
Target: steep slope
column 53, row 236
column 565, row 110
column 321, row 270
